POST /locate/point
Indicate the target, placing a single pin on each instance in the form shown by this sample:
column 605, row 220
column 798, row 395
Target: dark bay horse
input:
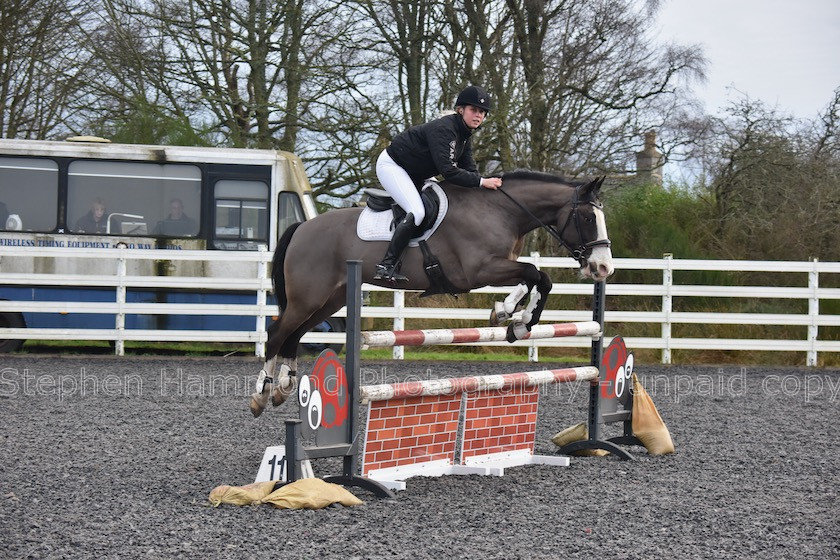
column 477, row 244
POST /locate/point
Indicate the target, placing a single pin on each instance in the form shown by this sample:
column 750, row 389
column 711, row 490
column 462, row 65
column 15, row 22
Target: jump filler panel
column 473, row 425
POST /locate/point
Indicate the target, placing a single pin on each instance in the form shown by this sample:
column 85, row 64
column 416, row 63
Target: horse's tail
column 277, row 266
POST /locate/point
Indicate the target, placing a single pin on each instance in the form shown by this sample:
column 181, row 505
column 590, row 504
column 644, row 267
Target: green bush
column 645, row 221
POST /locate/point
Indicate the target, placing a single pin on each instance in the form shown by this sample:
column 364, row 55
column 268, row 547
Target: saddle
column 377, row 221
column 378, row 200
column 382, row 212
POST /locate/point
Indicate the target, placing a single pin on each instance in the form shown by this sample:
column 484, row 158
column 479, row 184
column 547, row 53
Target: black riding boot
column 387, row 269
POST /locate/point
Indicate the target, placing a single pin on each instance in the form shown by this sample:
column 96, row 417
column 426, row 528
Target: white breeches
column 399, row 185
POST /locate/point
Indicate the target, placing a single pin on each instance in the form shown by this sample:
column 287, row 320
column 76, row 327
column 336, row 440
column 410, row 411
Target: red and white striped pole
column 454, row 385
column 431, row 337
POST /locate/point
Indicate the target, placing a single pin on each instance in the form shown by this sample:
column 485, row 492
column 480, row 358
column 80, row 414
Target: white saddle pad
column 376, row 226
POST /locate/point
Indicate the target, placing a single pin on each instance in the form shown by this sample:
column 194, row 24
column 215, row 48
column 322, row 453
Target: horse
column 477, row 244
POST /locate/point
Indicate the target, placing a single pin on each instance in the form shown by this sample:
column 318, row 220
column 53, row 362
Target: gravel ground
column 106, row 457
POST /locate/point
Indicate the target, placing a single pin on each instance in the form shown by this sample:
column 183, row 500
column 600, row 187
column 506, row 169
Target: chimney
column 649, row 161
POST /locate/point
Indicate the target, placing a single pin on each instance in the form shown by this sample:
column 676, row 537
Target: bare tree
column 235, row 68
column 828, row 129
column 406, row 32
column 578, row 82
column 41, row 66
column 480, row 51
column 774, row 184
column 222, row 51
column 575, row 83
column 132, row 97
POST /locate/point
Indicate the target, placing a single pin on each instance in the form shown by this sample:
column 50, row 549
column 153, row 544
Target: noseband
column 579, row 252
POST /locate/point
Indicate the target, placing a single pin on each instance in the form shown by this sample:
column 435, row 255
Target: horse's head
column 583, row 229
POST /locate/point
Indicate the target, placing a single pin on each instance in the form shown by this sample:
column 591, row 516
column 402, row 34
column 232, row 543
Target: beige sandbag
column 647, row 424
column 310, row 493
column 572, row 434
column 252, row 494
column 578, row 432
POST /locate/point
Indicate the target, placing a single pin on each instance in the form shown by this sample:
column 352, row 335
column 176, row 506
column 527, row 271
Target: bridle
column 573, row 218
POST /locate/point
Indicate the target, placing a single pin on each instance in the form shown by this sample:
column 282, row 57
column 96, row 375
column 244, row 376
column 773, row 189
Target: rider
column 439, row 147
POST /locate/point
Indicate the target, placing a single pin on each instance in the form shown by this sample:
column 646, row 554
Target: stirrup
column 389, row 273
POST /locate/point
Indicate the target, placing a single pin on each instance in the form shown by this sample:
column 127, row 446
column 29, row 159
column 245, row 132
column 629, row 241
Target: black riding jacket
column 439, row 147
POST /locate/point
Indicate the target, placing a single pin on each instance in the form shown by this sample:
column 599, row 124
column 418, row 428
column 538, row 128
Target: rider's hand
column 492, row 183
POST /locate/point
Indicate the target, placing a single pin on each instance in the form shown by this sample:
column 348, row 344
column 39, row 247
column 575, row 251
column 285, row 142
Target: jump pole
column 378, row 339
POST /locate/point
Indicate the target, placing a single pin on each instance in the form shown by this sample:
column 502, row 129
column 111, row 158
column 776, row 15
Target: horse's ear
column 592, row 188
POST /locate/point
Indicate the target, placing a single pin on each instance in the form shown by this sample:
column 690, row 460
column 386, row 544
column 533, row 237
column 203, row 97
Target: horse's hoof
column 522, row 317
column 520, row 330
column 517, row 331
column 257, row 404
column 284, row 387
column 498, row 315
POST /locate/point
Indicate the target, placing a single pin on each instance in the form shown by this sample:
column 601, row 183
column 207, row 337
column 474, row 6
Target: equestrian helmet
column 476, row 96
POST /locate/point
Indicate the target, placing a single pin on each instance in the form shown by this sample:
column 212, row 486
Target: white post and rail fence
column 808, row 305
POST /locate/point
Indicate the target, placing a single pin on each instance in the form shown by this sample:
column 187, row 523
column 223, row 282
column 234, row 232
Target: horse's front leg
column 505, row 271
column 530, row 316
column 523, row 320
column 512, row 308
column 504, row 311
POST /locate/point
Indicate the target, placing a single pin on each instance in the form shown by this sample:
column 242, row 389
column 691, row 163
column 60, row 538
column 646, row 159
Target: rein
column 577, row 253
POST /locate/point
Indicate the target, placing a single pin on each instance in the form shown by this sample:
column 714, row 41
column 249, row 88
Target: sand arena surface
column 106, row 457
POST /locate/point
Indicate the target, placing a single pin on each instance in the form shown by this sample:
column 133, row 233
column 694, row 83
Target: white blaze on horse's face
column 599, row 265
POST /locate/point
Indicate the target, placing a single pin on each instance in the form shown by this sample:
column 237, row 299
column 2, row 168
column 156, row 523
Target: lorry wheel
column 11, row 321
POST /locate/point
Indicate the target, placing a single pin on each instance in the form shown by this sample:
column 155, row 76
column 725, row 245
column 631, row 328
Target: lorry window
column 28, row 194
column 134, row 198
column 241, row 214
column 289, row 212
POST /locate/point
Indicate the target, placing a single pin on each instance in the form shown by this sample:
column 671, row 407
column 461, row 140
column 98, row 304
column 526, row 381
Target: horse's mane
column 528, row 175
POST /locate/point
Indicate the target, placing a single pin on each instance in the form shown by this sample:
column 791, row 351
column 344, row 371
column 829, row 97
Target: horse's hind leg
column 279, row 334
column 276, row 387
column 286, row 380
column 259, row 399
column 311, row 298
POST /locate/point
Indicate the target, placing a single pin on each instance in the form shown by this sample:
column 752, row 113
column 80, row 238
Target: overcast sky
column 785, row 53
